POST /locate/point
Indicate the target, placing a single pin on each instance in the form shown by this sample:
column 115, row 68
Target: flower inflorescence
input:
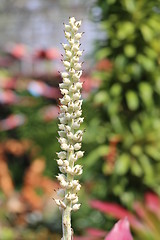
column 70, row 117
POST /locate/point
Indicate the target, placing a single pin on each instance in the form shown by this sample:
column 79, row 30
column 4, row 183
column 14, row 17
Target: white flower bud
column 78, row 113
column 60, row 203
column 62, row 133
column 79, row 53
column 70, row 135
column 67, row 27
column 63, row 120
column 78, row 23
column 79, row 154
column 76, row 207
column 64, row 146
column 63, row 108
column 61, row 177
column 69, row 170
column 66, row 81
column 67, row 98
column 75, row 59
column 62, row 169
column 60, row 162
column 67, row 128
column 78, row 170
column 67, row 35
column 78, row 187
column 62, row 155
column 78, row 85
column 75, row 47
column 78, row 36
column 62, row 140
column 68, row 116
column 71, row 148
column 75, row 29
column 71, row 41
column 68, row 53
column 64, row 74
column 65, row 163
column 76, row 96
column 63, row 86
column 61, row 126
column 66, row 46
column 73, row 157
column 72, row 71
column 75, row 125
column 75, row 200
column 77, row 66
column 64, row 91
column 72, row 21
column 80, row 120
column 66, row 64
column 77, row 75
column 77, row 146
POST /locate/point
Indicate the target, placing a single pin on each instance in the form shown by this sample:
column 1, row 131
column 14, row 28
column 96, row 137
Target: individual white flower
column 68, row 53
column 76, row 207
column 62, row 155
column 66, row 47
column 79, row 154
column 77, row 146
column 64, row 74
column 60, row 162
column 67, row 27
column 66, row 64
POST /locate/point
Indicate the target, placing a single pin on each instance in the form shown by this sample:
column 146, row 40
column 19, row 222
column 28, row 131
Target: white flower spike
column 70, row 136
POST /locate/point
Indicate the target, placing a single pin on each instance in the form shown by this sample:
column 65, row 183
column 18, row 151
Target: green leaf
column 95, row 155
column 147, row 168
column 147, row 64
column 136, row 169
column 122, row 164
column 132, row 100
column 101, row 97
column 130, row 5
column 116, row 89
column 125, row 30
column 110, row 2
column 120, row 62
column 103, row 53
column 147, row 32
column 130, row 50
column 146, row 93
column 153, row 152
column 136, row 150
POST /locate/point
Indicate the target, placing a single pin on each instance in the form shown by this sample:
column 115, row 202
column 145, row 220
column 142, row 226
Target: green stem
column 66, row 223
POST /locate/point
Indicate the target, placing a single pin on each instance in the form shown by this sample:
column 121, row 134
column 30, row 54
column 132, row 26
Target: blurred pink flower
column 153, row 202
column 120, row 231
column 12, row 121
column 18, row 51
column 116, row 211
column 47, row 54
column 8, row 97
column 96, row 232
column 39, row 88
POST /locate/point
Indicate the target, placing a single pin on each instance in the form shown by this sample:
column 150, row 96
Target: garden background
column 121, row 107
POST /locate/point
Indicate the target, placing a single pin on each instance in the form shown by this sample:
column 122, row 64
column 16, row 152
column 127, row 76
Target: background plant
column 127, row 120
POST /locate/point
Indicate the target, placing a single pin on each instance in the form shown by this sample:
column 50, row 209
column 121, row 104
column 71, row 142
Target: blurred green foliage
column 127, row 102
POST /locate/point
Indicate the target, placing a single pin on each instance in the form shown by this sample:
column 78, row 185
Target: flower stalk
column 70, row 135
